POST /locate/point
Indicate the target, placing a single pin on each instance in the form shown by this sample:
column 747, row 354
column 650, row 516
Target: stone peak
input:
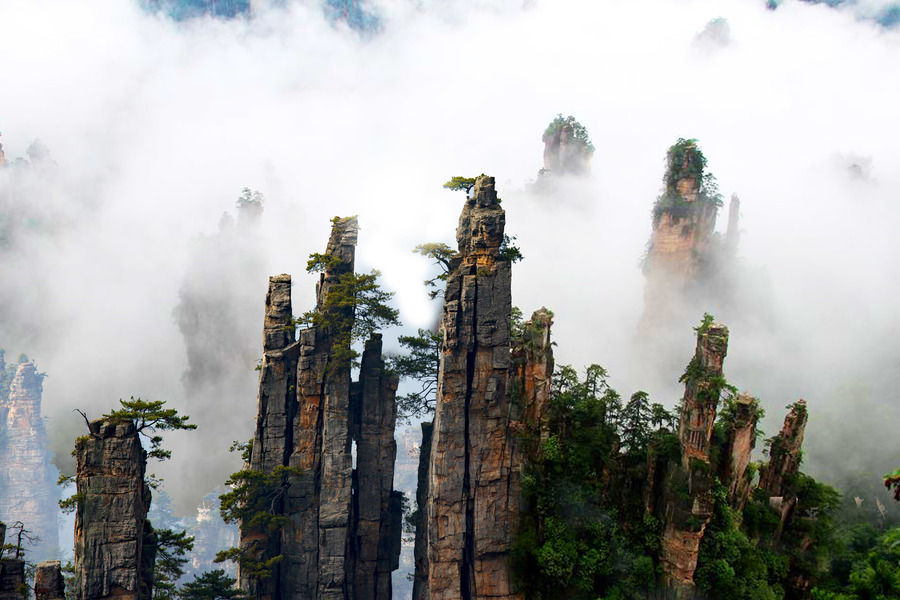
column 484, row 194
column 106, row 428
column 344, row 231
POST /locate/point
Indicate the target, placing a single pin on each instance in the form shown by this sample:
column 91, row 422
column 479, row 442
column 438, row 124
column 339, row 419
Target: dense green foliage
column 172, row 548
column 255, row 504
column 212, row 585
column 577, row 133
column 578, row 539
column 685, row 160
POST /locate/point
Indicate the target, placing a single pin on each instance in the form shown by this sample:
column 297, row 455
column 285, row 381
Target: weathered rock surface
column 785, row 454
column 28, row 491
column 532, row 372
column 420, row 551
column 687, row 261
column 48, row 581
column 111, row 519
column 688, row 499
column 471, row 509
column 342, row 539
column 565, row 151
column 735, row 457
column 12, row 579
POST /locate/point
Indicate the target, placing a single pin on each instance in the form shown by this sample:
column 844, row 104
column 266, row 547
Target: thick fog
column 155, row 127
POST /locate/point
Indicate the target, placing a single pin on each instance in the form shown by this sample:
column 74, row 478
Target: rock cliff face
column 532, row 371
column 48, row 581
column 28, row 491
column 12, row 573
column 470, row 508
column 785, row 453
column 342, row 539
column 420, row 551
column 688, row 500
column 567, row 149
column 686, row 260
column 111, row 520
column 740, row 441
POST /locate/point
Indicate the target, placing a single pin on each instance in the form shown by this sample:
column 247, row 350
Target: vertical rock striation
column 48, row 581
column 470, row 505
column 739, row 443
column 28, row 491
column 342, row 538
column 532, row 372
column 785, row 454
column 111, row 519
column 688, row 502
column 420, row 551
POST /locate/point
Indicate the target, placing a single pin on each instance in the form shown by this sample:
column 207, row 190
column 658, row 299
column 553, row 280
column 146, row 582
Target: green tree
column 212, row 585
column 441, row 254
column 255, row 504
column 458, row 184
column 171, row 551
column 354, row 308
column 636, row 422
column 421, row 363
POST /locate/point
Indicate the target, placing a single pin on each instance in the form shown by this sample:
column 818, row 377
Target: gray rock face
column 342, row 539
column 48, row 581
column 12, row 579
column 420, row 551
column 470, row 507
column 28, row 491
column 111, row 519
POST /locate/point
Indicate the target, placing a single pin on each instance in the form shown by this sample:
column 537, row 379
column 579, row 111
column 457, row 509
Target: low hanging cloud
column 156, row 126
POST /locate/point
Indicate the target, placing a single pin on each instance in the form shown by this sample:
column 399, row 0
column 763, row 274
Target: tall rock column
column 28, row 491
column 420, row 550
column 785, row 454
column 378, row 526
column 739, row 444
column 470, row 506
column 688, row 498
column 532, row 373
column 342, row 536
column 111, row 518
column 48, row 581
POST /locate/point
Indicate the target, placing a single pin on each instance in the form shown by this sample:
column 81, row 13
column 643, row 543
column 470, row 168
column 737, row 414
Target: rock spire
column 470, row 508
column 688, row 502
column 342, row 537
column 28, row 491
column 112, row 534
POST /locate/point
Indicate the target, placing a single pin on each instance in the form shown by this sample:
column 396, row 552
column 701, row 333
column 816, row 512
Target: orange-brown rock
column 28, row 491
column 471, row 509
column 688, row 501
column 740, row 441
column 785, row 454
column 48, row 581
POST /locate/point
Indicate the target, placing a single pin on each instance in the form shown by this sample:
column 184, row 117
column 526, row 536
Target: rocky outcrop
column 48, row 581
column 567, row 148
column 687, row 262
column 111, row 518
column 532, row 372
column 28, row 491
column 470, row 507
column 688, row 502
column 342, row 538
column 12, row 573
column 785, row 453
column 739, row 443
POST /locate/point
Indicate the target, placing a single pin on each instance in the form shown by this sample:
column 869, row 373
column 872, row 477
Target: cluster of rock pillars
column 344, row 521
